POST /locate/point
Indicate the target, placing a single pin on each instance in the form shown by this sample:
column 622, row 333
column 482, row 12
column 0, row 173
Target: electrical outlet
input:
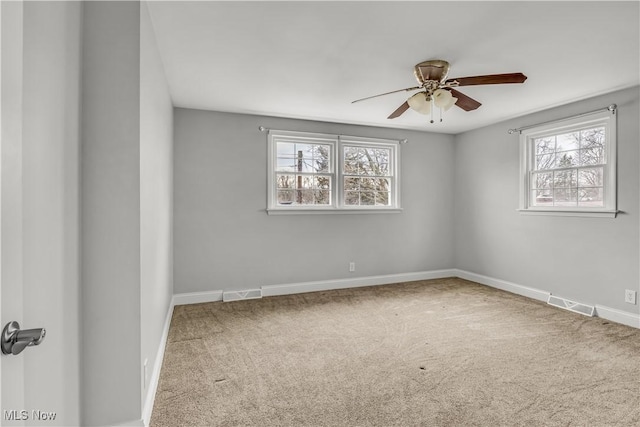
column 630, row 296
column 352, row 266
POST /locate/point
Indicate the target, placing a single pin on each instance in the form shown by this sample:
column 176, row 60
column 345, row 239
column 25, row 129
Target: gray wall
column 224, row 239
column 126, row 216
column 156, row 192
column 590, row 260
column 110, row 218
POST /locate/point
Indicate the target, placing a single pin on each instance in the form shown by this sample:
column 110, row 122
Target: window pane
column 568, row 141
column 303, row 181
column 350, row 153
column 372, row 168
column 592, row 155
column 545, row 161
column 351, row 198
column 286, row 197
column 323, row 182
column 594, row 136
column 565, row 179
column 286, row 181
column 351, row 160
column 306, row 158
column 350, row 167
column 366, row 161
column 367, row 184
column 367, row 198
column 591, row 177
column 286, row 165
column 591, row 197
column 565, row 197
column 545, row 145
column 306, row 181
column 321, row 160
column 322, row 197
column 352, row 183
column 381, row 184
column 379, row 155
column 542, row 180
column 305, row 197
column 382, row 198
column 567, row 159
column 286, row 149
column 541, row 198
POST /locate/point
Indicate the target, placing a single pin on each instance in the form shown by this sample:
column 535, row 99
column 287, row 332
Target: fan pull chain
column 432, row 107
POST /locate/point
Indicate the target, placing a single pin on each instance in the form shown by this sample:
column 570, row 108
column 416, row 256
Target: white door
column 11, row 306
column 39, row 218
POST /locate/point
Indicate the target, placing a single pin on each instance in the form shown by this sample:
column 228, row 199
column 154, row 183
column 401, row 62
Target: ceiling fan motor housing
column 435, row 70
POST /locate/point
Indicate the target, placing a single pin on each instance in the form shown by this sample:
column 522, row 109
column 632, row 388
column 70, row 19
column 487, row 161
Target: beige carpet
column 431, row 353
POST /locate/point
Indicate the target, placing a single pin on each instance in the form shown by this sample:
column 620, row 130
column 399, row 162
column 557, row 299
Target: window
column 569, row 167
column 329, row 173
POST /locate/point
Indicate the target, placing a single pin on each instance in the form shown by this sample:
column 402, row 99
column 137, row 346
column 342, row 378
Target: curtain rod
column 401, row 141
column 611, row 108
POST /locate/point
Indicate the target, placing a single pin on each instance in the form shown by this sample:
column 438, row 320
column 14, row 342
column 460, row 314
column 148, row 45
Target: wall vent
column 240, row 295
column 576, row 307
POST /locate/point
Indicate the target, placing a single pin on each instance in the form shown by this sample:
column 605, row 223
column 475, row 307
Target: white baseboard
column 132, row 423
column 152, row 387
column 327, row 285
column 196, row 297
column 321, row 285
column 504, row 285
column 615, row 315
column 618, row 316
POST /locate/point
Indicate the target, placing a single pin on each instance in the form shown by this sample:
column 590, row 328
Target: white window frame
column 337, row 142
column 584, row 121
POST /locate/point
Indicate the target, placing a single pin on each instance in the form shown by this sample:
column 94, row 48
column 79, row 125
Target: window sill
column 330, row 211
column 563, row 212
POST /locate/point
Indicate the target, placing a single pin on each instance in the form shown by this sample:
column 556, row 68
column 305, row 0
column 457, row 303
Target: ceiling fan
column 438, row 91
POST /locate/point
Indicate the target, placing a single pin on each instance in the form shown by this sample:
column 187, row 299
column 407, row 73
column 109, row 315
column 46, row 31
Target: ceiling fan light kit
column 436, row 91
column 420, row 102
column 443, row 99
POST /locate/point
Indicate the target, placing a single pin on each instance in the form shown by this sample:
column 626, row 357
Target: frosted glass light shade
column 443, row 99
column 419, row 103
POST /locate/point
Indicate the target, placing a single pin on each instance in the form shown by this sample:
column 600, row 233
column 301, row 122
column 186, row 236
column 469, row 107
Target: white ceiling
column 309, row 60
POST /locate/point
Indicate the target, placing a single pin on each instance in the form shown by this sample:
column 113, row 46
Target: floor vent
column 576, row 307
column 239, row 295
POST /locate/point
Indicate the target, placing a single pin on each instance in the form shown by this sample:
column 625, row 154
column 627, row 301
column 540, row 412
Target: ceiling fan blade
column 492, row 79
column 387, row 93
column 401, row 109
column 465, row 102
